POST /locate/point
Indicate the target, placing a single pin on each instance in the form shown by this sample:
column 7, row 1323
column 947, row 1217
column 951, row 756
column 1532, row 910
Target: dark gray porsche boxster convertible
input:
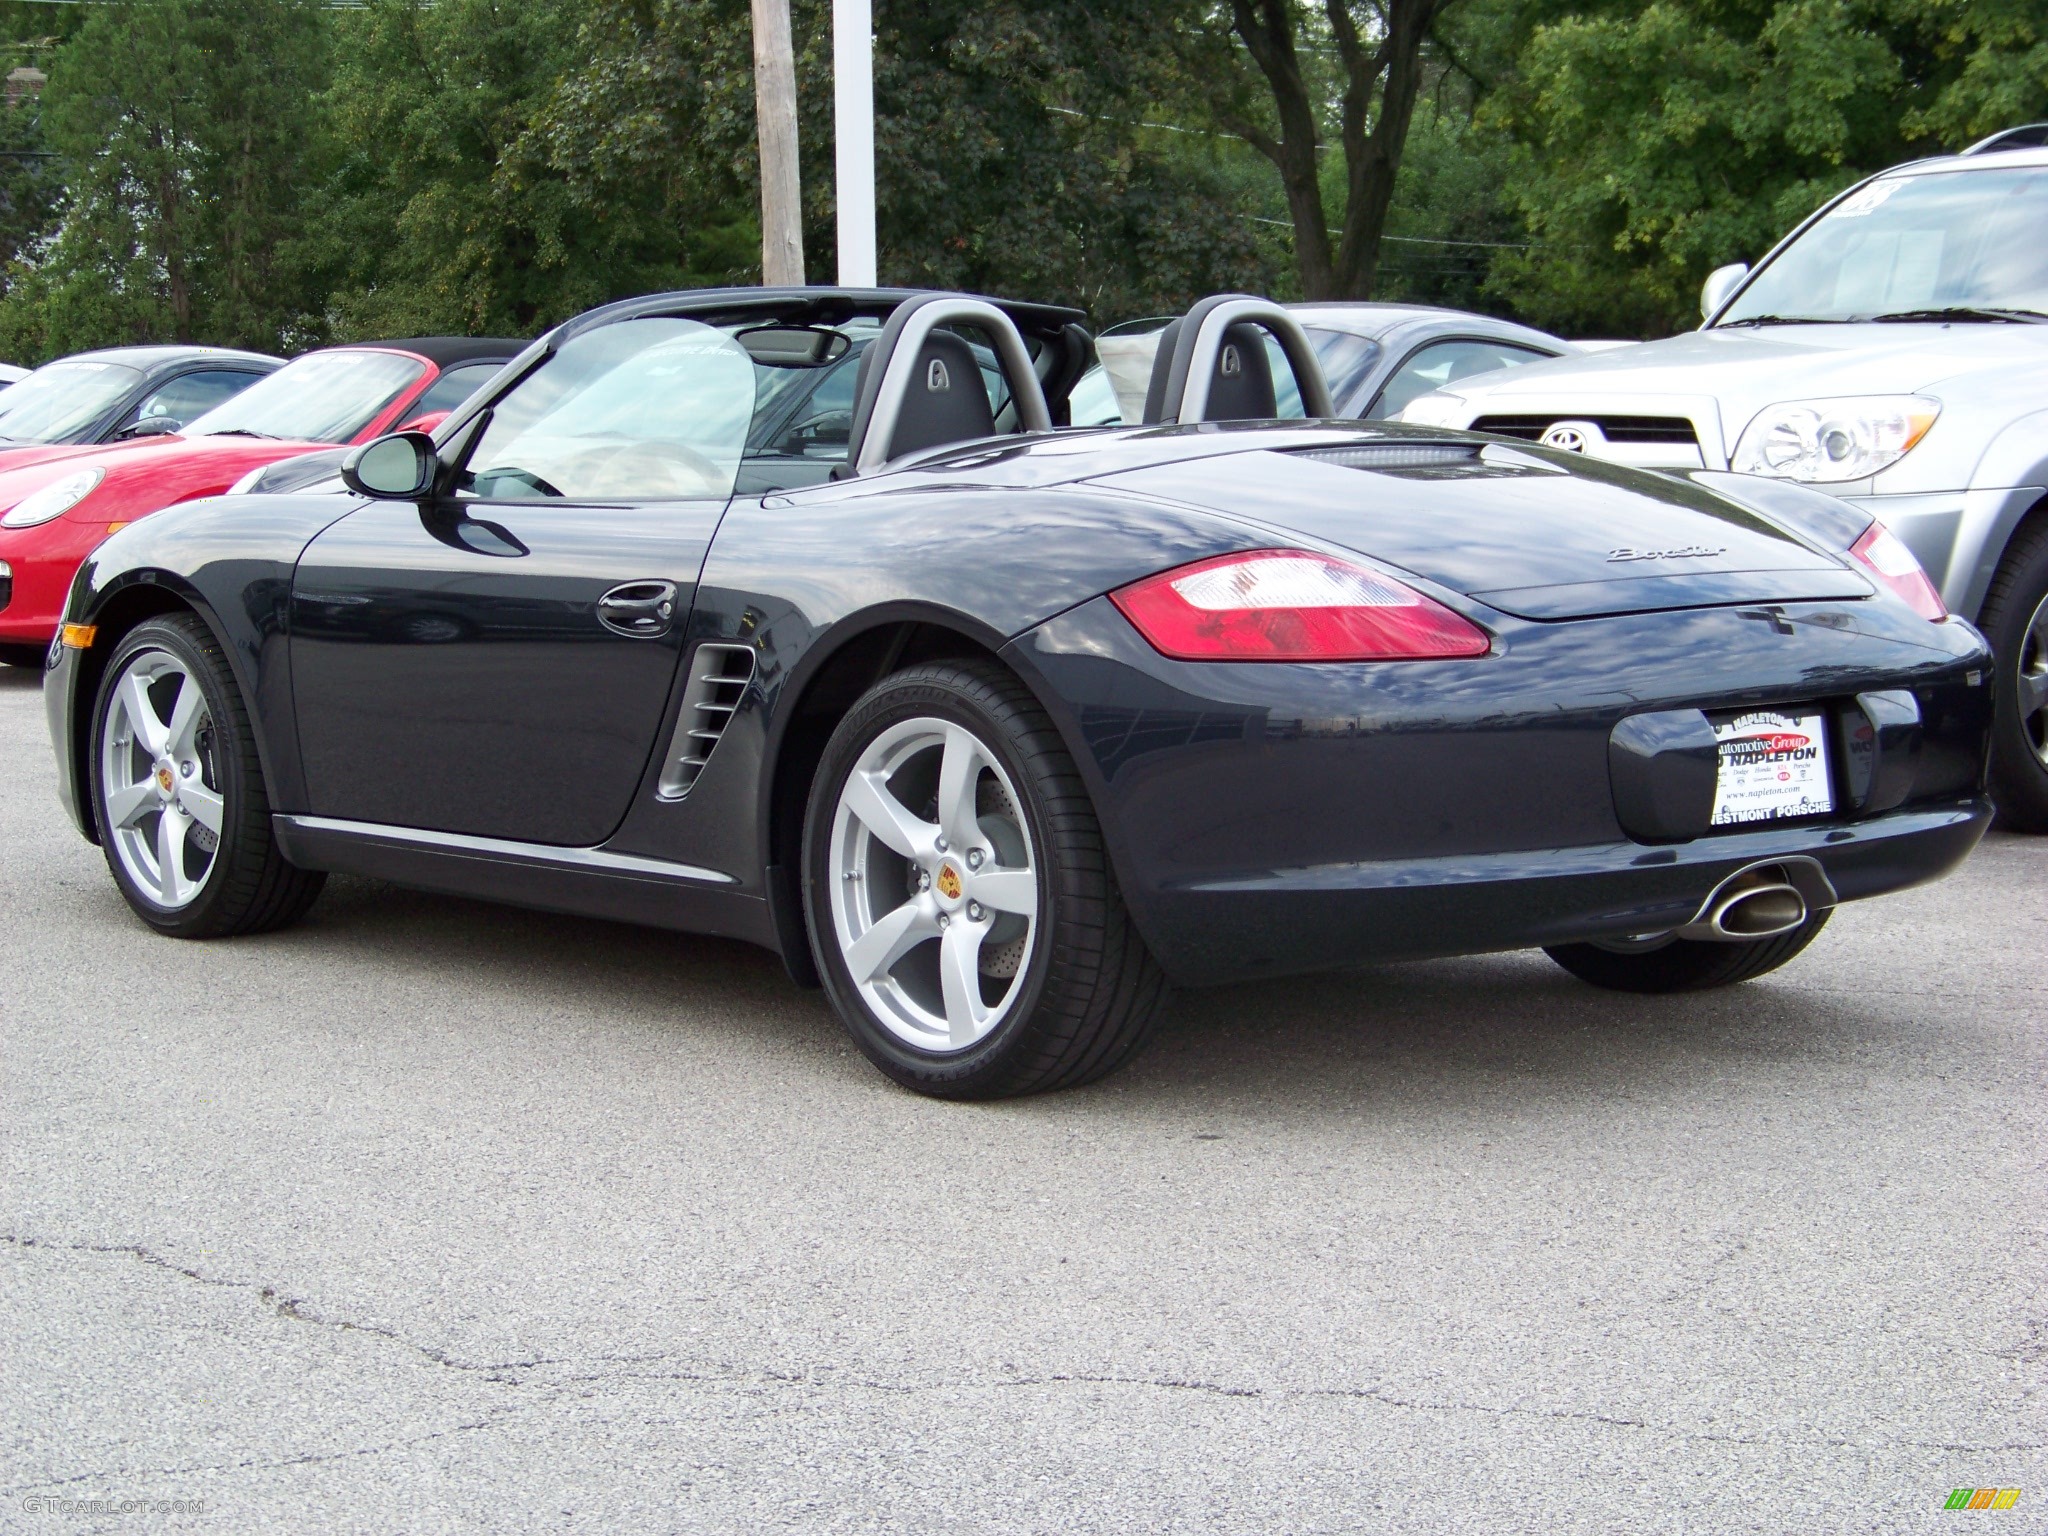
column 993, row 728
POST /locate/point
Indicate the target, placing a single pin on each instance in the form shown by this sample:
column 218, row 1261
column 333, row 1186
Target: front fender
column 230, row 560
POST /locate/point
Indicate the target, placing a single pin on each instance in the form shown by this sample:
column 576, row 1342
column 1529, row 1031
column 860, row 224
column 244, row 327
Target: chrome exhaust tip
column 1760, row 912
column 1761, row 902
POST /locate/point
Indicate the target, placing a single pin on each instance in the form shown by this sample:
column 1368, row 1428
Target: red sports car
column 54, row 512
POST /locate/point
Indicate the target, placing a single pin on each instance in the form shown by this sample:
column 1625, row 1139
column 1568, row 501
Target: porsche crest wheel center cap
column 166, row 780
column 948, row 882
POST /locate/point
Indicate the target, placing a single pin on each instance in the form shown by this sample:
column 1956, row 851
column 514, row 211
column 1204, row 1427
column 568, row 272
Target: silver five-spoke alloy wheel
column 2033, row 683
column 934, row 884
column 159, row 781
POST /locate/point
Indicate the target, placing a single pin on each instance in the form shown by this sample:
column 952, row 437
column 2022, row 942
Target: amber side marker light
column 78, row 637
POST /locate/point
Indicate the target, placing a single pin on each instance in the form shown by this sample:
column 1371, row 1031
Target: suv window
column 1943, row 240
column 192, row 395
column 1443, row 363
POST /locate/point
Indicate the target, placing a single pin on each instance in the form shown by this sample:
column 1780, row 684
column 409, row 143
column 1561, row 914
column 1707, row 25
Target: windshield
column 323, row 397
column 1947, row 240
column 59, row 399
column 641, row 408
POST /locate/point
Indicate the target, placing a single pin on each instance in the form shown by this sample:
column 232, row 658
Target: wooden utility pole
column 782, row 226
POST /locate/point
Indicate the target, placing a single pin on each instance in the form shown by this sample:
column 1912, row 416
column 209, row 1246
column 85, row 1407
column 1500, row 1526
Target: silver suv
column 1892, row 350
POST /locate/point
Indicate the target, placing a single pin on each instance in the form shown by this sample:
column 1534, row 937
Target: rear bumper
column 1336, row 916
column 1264, row 820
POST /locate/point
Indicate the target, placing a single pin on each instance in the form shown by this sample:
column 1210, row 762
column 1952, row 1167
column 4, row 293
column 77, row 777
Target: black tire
column 1092, row 991
column 13, row 655
column 1685, row 965
column 2019, row 777
column 250, row 887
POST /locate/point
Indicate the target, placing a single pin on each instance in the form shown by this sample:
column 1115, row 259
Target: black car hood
column 1536, row 534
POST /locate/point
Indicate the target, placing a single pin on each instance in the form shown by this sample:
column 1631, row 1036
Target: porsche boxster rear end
column 1673, row 691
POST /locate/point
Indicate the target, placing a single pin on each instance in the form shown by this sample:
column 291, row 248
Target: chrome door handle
column 639, row 610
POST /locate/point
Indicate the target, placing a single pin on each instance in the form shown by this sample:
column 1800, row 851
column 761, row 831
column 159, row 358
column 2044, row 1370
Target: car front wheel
column 178, row 792
column 962, row 911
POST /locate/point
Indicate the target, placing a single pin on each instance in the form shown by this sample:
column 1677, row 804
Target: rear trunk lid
column 1532, row 533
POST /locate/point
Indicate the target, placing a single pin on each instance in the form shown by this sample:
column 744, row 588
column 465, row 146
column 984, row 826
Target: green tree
column 453, row 209
column 186, row 137
column 1291, row 78
column 1653, row 142
column 1008, row 152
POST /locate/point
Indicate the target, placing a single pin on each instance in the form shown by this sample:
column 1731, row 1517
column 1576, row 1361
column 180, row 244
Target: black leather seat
column 1239, row 386
column 947, row 402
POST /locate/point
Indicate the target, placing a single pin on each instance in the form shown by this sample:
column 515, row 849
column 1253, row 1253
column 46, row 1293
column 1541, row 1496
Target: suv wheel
column 2015, row 621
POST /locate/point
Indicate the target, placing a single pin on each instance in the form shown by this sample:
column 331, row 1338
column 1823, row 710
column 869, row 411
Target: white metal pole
column 853, row 95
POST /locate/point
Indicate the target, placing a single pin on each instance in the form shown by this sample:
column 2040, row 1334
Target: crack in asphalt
column 290, row 1307
column 521, row 1374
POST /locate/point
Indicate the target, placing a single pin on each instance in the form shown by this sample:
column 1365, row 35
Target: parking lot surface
column 431, row 1215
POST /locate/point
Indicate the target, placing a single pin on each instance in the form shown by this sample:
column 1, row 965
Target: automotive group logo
column 1764, row 740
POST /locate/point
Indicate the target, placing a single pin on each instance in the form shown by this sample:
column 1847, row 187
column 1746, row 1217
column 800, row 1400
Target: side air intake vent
column 719, row 675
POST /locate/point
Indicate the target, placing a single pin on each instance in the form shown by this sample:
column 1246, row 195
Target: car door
column 497, row 660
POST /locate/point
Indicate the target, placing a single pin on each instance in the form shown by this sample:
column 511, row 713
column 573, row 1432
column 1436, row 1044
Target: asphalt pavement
column 430, row 1215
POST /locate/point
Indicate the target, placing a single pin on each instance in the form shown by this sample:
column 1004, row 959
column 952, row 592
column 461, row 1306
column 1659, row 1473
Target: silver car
column 1893, row 351
column 1377, row 357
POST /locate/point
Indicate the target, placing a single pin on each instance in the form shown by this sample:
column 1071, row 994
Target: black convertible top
column 821, row 305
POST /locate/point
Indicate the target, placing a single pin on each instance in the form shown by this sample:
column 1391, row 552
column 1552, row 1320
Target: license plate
column 1774, row 767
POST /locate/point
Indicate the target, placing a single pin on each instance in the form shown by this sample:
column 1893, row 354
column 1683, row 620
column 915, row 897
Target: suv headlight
column 53, row 500
column 1819, row 441
column 1435, row 409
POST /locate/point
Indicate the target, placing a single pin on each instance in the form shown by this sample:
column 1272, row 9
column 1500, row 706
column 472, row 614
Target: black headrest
column 1241, row 388
column 947, row 403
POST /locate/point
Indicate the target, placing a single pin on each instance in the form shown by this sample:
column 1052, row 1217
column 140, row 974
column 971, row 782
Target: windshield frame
column 1724, row 317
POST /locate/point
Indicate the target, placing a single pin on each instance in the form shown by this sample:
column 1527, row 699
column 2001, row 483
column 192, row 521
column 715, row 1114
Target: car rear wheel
column 964, row 917
column 178, row 792
column 2015, row 621
column 1668, row 963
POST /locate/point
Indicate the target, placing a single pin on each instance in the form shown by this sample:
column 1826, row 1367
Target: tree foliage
column 1653, row 142
column 276, row 172
column 183, row 215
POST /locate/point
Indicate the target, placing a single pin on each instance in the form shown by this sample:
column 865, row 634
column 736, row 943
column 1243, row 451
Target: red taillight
column 1290, row 605
column 1884, row 554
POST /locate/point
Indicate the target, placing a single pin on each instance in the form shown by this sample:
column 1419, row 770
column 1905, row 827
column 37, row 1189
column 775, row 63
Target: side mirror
column 399, row 467
column 150, row 426
column 1721, row 282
